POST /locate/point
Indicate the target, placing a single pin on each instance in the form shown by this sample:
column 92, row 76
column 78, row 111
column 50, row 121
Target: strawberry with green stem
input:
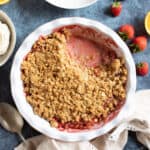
column 116, row 8
column 138, row 44
column 142, row 68
column 126, row 32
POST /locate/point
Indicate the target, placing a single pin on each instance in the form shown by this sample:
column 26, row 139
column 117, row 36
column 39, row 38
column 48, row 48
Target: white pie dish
column 42, row 125
column 75, row 4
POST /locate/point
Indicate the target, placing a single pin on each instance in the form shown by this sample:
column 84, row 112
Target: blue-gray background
column 29, row 14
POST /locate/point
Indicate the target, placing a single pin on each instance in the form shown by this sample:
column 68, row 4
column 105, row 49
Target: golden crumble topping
column 66, row 93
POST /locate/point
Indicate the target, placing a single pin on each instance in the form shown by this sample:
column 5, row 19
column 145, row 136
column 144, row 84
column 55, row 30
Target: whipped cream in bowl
column 4, row 38
column 7, row 38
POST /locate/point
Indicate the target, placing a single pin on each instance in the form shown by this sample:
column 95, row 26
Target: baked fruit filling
column 73, row 79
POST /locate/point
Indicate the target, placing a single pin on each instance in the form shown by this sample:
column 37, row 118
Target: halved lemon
column 4, row 2
column 147, row 22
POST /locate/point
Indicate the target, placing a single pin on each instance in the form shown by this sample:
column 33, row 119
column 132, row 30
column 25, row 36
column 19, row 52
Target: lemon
column 147, row 22
column 4, row 2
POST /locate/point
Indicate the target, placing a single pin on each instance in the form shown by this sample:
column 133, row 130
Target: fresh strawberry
column 139, row 44
column 126, row 32
column 116, row 8
column 142, row 68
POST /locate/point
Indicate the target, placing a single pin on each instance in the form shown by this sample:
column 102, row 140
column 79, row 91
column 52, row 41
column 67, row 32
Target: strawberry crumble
column 72, row 80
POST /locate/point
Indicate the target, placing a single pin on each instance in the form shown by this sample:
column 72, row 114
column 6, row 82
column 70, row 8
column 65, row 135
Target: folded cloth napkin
column 139, row 122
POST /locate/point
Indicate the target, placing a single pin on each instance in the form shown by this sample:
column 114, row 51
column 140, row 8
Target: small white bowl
column 71, row 4
column 5, row 19
column 42, row 125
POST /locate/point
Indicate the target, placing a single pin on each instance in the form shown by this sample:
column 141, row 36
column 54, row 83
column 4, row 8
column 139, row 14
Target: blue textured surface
column 29, row 14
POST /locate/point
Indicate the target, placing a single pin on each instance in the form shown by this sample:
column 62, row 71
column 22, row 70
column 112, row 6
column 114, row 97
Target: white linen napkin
column 139, row 122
